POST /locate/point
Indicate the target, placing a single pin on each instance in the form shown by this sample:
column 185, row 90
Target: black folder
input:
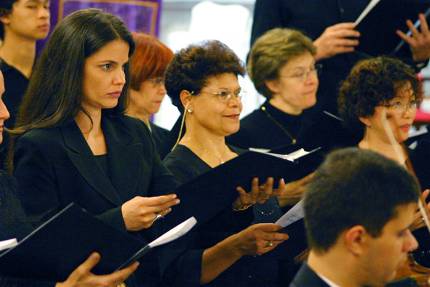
column 210, row 193
column 61, row 244
column 378, row 29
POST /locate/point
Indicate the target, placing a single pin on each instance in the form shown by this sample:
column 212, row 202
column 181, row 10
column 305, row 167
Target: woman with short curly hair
column 202, row 81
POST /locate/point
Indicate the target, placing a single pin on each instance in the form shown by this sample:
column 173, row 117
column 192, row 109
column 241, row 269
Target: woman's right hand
column 82, row 276
column 141, row 212
column 258, row 239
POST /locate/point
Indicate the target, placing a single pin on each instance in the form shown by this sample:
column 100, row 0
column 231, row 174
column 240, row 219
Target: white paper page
column 366, row 11
column 294, row 214
column 175, row 232
column 6, row 244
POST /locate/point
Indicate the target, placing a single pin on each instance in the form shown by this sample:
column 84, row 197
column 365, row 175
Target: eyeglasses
column 156, row 81
column 225, row 95
column 402, row 107
column 303, row 74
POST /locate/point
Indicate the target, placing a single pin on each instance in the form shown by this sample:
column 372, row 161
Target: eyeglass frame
column 401, row 107
column 224, row 99
column 304, row 75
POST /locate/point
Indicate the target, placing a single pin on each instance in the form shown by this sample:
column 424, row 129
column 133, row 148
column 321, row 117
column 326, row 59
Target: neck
column 19, row 52
column 280, row 104
column 208, row 146
column 382, row 146
column 89, row 127
column 338, row 269
column 138, row 114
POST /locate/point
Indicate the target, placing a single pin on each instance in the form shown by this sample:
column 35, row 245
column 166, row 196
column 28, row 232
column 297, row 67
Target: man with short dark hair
column 358, row 211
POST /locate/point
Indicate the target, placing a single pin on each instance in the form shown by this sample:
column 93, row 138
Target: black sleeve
column 267, row 15
column 17, row 282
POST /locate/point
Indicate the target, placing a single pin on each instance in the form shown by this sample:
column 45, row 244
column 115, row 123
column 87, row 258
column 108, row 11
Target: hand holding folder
column 57, row 247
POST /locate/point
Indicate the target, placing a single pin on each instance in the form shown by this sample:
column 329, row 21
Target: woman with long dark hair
column 73, row 142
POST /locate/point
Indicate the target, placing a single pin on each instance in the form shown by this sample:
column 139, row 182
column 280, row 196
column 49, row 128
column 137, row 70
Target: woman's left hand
column 258, row 194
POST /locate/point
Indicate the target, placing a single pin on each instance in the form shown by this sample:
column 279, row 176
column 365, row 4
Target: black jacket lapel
column 83, row 159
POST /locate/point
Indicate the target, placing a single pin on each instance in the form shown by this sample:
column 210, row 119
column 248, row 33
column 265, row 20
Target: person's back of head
column 354, row 201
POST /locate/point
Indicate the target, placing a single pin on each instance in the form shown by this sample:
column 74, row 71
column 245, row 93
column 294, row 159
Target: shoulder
column 253, row 118
column 183, row 164
column 307, row 277
column 40, row 137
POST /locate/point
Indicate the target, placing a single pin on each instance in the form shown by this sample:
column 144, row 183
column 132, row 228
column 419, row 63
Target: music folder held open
column 208, row 194
column 57, row 247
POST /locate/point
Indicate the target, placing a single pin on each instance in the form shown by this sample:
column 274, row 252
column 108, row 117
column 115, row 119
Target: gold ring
column 269, row 244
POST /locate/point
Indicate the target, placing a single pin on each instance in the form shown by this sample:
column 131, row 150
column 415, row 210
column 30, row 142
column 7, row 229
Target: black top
column 15, row 86
column 13, row 224
column 161, row 140
column 271, row 128
column 102, row 162
column 181, row 260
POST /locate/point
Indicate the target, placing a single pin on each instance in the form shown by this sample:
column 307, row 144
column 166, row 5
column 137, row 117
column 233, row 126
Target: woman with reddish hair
column 148, row 64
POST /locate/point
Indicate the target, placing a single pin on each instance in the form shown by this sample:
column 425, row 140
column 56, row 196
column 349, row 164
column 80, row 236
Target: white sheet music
column 294, row 214
column 6, row 244
column 366, row 11
column 175, row 232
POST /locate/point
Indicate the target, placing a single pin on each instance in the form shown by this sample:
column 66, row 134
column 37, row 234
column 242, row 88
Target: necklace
column 283, row 129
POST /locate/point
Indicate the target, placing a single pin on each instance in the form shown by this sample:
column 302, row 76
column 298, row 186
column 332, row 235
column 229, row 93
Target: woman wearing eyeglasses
column 202, row 81
column 147, row 91
column 378, row 101
column 282, row 67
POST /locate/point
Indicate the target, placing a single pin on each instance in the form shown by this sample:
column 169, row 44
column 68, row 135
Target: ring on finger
column 269, row 244
column 157, row 216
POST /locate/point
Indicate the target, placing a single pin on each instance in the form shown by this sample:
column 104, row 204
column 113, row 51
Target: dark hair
column 55, row 93
column 373, row 82
column 355, row 187
column 149, row 60
column 192, row 66
column 5, row 9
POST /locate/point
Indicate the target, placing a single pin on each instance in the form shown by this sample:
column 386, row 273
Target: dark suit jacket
column 55, row 166
column 306, row 277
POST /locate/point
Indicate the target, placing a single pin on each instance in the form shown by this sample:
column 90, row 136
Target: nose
column 4, row 113
column 411, row 243
column 119, row 78
column 44, row 12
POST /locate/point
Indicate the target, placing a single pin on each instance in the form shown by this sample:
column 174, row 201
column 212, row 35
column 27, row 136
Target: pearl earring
column 189, row 111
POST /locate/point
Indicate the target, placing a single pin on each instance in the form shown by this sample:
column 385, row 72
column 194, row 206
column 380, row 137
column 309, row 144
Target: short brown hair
column 272, row 51
column 149, row 60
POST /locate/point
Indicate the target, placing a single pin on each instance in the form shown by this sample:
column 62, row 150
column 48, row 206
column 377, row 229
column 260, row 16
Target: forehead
column 404, row 90
column 116, row 51
column 225, row 80
column 403, row 218
column 303, row 60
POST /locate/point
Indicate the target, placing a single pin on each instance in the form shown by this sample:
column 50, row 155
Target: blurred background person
column 147, row 91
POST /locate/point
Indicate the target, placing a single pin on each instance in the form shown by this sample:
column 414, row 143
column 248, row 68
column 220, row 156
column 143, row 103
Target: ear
column 186, row 99
column 5, row 19
column 273, row 86
column 355, row 239
column 365, row 121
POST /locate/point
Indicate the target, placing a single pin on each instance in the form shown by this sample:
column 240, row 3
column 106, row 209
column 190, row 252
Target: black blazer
column 55, row 166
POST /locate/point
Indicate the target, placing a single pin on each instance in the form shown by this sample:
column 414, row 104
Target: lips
column 115, row 95
column 405, row 128
column 44, row 27
column 233, row 117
